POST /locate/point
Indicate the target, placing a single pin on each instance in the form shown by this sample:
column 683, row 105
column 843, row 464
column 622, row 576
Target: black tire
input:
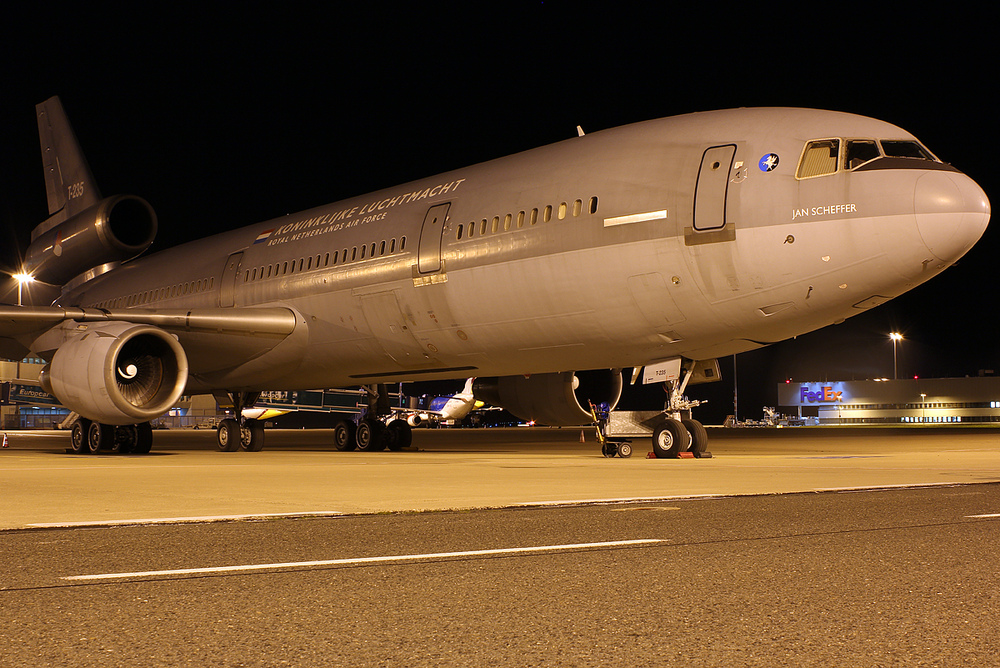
column 669, row 439
column 398, row 435
column 78, row 437
column 369, row 436
column 228, row 435
column 624, row 450
column 343, row 436
column 100, row 437
column 144, row 438
column 698, row 435
column 252, row 436
column 125, row 439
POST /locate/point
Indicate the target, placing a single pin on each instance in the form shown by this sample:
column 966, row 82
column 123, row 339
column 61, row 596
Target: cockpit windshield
column 821, row 157
column 860, row 151
column 905, row 149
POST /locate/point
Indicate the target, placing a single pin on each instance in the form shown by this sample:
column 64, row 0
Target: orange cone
column 582, row 439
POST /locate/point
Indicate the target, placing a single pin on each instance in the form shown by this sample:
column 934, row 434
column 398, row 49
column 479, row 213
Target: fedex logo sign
column 825, row 394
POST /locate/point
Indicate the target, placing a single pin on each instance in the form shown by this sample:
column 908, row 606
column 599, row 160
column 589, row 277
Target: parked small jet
column 684, row 238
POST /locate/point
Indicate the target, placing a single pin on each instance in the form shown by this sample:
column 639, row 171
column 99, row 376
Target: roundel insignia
column 768, row 163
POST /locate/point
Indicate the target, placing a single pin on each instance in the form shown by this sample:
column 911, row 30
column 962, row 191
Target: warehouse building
column 911, row 401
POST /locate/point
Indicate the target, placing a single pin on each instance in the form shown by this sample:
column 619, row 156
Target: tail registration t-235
column 543, row 274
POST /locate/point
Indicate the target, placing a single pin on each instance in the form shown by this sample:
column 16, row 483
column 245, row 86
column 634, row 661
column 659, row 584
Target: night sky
column 222, row 118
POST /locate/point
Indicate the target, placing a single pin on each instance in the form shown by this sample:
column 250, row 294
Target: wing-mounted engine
column 118, row 373
column 556, row 399
column 114, row 230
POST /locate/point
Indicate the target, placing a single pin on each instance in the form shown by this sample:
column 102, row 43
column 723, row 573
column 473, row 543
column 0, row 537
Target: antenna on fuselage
column 579, row 131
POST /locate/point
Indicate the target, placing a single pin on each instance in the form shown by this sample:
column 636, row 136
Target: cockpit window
column 819, row 158
column 860, row 151
column 905, row 149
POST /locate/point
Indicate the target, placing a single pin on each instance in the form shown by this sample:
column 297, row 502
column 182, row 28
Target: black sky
column 230, row 115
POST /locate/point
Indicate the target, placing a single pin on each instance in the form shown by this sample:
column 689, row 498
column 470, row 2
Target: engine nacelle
column 556, row 399
column 113, row 230
column 118, row 373
column 414, row 420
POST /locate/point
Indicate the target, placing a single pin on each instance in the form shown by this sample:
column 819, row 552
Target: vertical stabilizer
column 69, row 184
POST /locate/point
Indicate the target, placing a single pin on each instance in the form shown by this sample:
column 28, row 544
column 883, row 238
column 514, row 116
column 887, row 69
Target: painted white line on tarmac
column 364, row 560
column 983, row 516
column 181, row 520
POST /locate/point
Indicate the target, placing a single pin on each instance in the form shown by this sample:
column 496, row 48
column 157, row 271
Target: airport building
column 911, row 401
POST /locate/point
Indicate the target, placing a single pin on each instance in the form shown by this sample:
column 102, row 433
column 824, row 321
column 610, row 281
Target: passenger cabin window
column 819, row 158
column 859, row 152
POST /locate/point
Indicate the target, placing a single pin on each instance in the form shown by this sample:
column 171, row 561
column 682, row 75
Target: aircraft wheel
column 669, row 439
column 625, row 450
column 100, row 437
column 143, row 438
column 228, row 435
column 343, row 436
column 78, row 436
column 125, row 437
column 698, row 436
column 369, row 436
column 398, row 435
column 252, row 436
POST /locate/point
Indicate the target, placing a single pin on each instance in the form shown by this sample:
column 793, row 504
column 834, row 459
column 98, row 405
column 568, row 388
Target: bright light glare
column 23, row 277
column 896, row 336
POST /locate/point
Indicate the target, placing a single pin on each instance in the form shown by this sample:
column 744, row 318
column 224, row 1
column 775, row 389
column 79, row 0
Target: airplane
column 545, row 273
column 445, row 408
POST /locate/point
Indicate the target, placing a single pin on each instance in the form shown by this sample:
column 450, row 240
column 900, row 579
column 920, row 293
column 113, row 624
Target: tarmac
column 299, row 474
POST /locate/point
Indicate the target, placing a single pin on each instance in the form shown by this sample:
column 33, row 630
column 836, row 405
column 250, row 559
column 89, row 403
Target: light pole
column 21, row 279
column 895, row 336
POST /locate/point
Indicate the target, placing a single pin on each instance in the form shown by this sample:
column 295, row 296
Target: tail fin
column 466, row 392
column 84, row 233
column 69, row 185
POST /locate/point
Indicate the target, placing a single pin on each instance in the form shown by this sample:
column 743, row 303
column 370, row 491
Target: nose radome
column 952, row 212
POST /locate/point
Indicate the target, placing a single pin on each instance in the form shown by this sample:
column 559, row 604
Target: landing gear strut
column 374, row 431
column 677, row 433
column 239, row 432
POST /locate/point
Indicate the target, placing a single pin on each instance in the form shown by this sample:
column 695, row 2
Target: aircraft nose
column 952, row 212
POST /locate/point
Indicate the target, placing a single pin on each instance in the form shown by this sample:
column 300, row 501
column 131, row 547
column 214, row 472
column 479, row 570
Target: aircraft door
column 712, row 188
column 431, row 233
column 227, row 288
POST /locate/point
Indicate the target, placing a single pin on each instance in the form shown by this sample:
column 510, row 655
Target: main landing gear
column 88, row 437
column 240, row 433
column 376, row 430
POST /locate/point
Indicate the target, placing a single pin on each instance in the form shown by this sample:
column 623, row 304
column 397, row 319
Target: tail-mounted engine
column 556, row 399
column 113, row 230
column 118, row 373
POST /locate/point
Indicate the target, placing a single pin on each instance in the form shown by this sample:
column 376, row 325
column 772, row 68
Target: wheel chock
column 685, row 455
column 650, row 455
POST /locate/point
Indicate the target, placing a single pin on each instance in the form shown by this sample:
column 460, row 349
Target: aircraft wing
column 213, row 338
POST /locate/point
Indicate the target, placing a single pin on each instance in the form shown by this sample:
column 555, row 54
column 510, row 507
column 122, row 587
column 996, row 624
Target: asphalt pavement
column 903, row 574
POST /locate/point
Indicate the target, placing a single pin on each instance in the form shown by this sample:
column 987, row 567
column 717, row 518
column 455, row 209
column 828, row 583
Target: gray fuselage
column 695, row 236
